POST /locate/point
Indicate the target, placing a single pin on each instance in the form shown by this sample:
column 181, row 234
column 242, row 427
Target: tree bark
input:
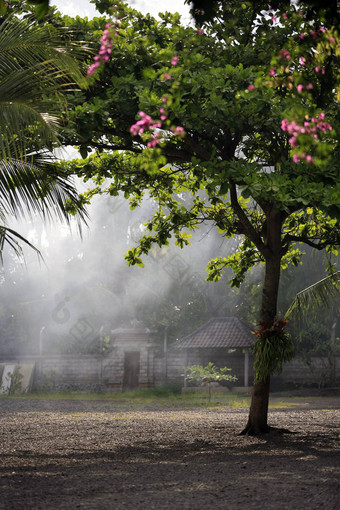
column 258, row 414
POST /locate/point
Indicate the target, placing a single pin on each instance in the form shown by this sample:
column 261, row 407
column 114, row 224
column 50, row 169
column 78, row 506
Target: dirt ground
column 103, row 455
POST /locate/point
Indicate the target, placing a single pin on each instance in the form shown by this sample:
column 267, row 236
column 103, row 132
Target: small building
column 223, row 341
column 130, row 363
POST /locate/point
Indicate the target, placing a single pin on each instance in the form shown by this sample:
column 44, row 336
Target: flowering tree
column 205, row 113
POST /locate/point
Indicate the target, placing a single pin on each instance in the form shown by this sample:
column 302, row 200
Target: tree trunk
column 258, row 414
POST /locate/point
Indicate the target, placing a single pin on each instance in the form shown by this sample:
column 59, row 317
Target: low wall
column 178, row 359
column 298, row 373
column 86, row 372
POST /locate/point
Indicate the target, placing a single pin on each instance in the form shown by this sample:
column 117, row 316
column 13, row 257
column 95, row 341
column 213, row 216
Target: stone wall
column 90, row 373
column 178, row 359
column 96, row 373
column 68, row 372
column 297, row 373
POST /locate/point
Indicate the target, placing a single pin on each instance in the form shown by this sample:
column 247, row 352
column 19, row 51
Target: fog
column 71, row 298
column 80, row 289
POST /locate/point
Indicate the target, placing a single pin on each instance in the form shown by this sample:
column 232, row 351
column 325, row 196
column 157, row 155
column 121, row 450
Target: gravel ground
column 105, row 455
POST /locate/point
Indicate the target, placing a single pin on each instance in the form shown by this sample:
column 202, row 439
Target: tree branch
column 114, row 147
column 196, row 147
column 317, row 244
column 247, row 228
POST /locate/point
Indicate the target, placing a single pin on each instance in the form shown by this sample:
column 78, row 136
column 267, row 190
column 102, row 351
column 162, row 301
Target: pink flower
column 284, row 15
column 104, row 51
column 296, row 158
column 145, row 123
column 284, row 53
column 331, row 39
column 309, row 86
column 302, row 36
column 155, row 125
column 174, row 61
column 317, row 69
column 299, row 88
column 178, row 131
column 153, row 142
column 272, row 72
column 163, row 117
column 200, row 31
column 284, row 125
column 167, row 76
column 93, row 68
column 322, row 116
column 273, row 18
column 164, row 99
column 293, row 141
column 309, row 159
column 251, row 88
column 302, row 61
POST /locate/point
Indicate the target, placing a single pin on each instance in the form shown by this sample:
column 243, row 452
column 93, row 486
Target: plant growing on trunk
column 180, row 113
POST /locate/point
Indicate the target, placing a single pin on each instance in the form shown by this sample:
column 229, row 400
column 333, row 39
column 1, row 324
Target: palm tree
column 37, row 64
column 309, row 301
column 325, row 292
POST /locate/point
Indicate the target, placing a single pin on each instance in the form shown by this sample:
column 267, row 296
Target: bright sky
column 85, row 8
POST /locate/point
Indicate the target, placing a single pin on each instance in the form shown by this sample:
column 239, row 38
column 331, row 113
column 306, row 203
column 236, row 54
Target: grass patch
column 281, row 405
column 158, row 398
column 238, row 402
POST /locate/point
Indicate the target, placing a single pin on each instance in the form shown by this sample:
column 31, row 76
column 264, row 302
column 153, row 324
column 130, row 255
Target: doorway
column 131, row 370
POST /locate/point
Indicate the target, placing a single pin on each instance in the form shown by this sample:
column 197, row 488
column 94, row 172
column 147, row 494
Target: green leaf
column 41, row 7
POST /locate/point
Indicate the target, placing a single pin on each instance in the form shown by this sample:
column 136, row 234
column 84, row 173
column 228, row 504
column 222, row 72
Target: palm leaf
column 14, row 240
column 37, row 187
column 24, row 43
column 36, row 64
column 324, row 293
column 21, row 121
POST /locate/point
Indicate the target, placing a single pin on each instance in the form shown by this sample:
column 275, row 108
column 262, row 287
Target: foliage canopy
column 234, row 160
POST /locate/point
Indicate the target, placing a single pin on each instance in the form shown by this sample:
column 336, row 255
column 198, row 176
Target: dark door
column 131, row 370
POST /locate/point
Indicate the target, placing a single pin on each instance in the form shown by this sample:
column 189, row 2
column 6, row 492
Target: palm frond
column 36, row 64
column 14, row 240
column 37, row 187
column 324, row 293
column 23, row 128
column 23, row 43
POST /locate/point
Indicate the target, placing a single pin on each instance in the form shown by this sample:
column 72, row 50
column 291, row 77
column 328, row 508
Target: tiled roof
column 218, row 332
